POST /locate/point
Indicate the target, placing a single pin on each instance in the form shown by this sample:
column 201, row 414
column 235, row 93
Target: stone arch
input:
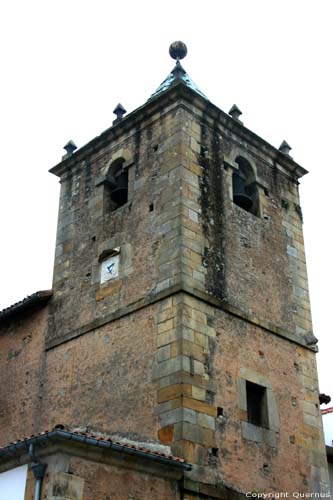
column 116, row 183
column 244, row 186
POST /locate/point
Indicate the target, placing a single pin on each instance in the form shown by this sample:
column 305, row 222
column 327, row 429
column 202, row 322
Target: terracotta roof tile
column 100, row 438
column 37, row 298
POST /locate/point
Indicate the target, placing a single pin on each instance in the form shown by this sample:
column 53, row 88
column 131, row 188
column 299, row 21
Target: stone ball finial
column 178, row 50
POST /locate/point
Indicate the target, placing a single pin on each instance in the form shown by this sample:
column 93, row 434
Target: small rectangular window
column 257, row 412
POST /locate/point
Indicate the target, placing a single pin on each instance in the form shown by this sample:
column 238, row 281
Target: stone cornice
column 209, row 112
column 181, row 287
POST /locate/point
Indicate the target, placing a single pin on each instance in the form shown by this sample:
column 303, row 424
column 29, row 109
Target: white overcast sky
column 66, row 64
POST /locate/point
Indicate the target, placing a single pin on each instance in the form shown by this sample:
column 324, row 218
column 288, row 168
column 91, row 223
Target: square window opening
column 257, row 411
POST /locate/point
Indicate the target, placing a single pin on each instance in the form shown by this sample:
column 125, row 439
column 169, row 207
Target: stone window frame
column 112, row 246
column 265, row 435
column 104, row 256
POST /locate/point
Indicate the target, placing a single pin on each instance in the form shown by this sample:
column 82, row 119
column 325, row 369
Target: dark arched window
column 117, row 182
column 244, row 187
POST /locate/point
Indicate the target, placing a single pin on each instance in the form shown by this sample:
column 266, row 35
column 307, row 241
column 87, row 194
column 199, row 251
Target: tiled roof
column 177, row 74
column 327, row 410
column 35, row 299
column 61, row 432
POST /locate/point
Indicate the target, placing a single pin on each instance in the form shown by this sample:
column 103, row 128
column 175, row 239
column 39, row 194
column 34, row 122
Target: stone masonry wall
column 255, row 264
column 204, row 354
column 103, row 380
column 22, row 364
column 209, row 296
column 146, row 228
column 255, row 267
column 76, row 478
column 289, row 455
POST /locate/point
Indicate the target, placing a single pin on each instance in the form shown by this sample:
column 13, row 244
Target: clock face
column 109, row 268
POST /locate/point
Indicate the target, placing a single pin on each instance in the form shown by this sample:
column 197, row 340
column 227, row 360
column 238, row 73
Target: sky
column 65, row 65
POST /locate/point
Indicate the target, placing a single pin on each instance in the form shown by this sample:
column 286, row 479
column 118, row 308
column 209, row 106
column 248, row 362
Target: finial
column 235, row 112
column 285, row 148
column 70, row 147
column 119, row 111
column 178, row 50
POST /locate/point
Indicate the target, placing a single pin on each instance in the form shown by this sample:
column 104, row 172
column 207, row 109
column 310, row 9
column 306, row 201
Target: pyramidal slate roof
column 177, row 74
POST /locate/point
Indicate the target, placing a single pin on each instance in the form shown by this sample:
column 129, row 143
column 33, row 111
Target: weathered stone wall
column 103, row 380
column 146, row 228
column 289, row 455
column 205, row 357
column 254, row 263
column 209, row 296
column 253, row 268
column 75, row 478
column 22, row 365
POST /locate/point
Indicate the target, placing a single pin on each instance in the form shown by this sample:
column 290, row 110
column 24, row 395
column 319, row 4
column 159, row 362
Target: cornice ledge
column 175, row 289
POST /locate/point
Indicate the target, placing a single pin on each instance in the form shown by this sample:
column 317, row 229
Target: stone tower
column 180, row 311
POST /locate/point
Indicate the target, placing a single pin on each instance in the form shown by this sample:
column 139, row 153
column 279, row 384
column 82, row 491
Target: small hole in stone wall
column 88, row 275
column 266, row 193
column 155, row 148
column 93, row 238
column 215, row 452
column 219, row 411
column 266, row 469
column 261, row 354
column 151, row 207
column 203, row 151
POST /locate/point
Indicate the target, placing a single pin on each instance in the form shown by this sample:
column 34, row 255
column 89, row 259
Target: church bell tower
column 181, row 296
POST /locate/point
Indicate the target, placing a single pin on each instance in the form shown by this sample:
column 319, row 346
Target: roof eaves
column 39, row 298
column 58, row 434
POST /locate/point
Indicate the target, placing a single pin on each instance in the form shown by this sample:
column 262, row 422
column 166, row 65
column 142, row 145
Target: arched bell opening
column 244, row 187
column 117, row 183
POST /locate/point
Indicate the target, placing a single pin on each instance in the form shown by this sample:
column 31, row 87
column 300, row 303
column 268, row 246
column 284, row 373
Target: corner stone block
column 180, row 363
column 194, row 433
column 165, row 435
column 67, row 486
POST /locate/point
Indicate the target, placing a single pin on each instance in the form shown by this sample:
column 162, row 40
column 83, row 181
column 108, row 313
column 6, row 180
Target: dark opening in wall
column 244, row 187
column 117, row 184
column 257, row 412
